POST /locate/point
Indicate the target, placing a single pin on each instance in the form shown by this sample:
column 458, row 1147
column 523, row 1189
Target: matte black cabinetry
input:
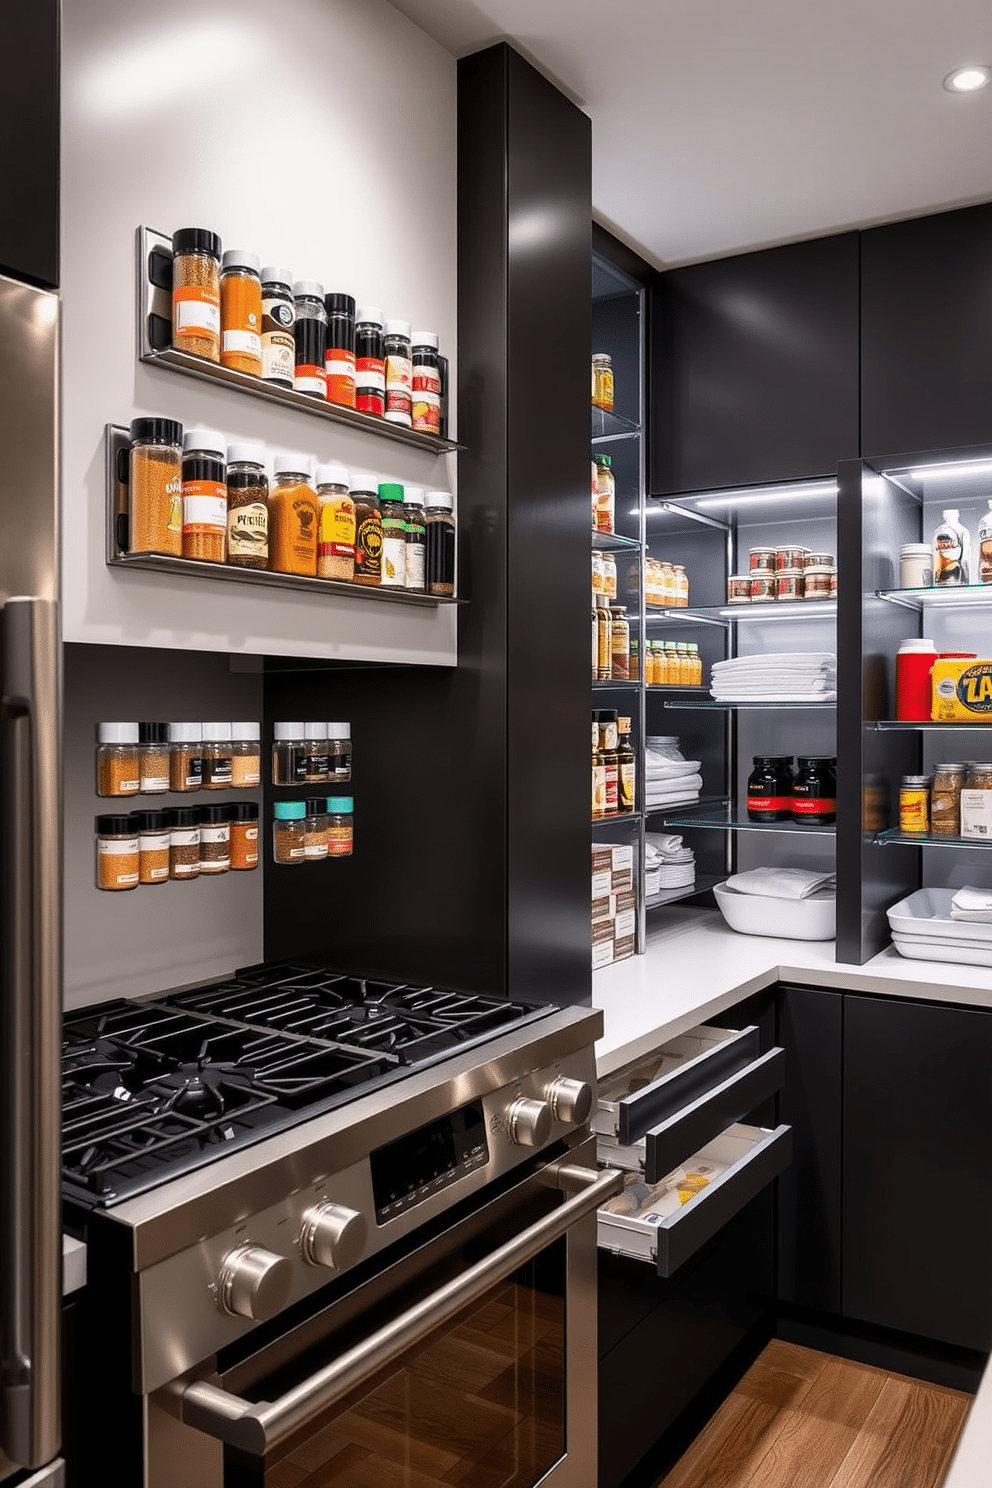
column 29, row 128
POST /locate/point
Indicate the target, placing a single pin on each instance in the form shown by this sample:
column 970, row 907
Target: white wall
column 319, row 134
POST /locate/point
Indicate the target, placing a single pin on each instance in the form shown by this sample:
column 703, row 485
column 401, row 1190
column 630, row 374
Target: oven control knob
column 528, row 1122
column 254, row 1283
column 333, row 1236
column 570, row 1100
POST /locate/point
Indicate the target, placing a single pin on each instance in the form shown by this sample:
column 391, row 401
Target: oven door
column 468, row 1357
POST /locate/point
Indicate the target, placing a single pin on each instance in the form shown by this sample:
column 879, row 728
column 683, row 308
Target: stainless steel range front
column 339, row 1231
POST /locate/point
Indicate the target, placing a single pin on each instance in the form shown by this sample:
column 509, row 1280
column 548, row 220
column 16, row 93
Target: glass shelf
column 885, row 725
column 704, row 882
column 714, row 705
column 607, row 426
column 758, row 610
column 612, row 686
column 946, row 596
column 617, row 819
column 786, row 503
column 924, row 839
column 682, row 688
column 614, row 542
column 722, row 817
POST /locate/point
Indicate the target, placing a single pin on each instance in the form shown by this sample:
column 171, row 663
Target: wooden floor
column 801, row 1419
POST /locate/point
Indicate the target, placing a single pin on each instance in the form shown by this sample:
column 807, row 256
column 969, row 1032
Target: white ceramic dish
column 814, row 918
column 928, row 912
column 961, row 953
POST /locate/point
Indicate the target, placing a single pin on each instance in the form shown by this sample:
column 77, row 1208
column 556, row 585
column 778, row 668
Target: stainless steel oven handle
column 30, row 1028
column 257, row 1427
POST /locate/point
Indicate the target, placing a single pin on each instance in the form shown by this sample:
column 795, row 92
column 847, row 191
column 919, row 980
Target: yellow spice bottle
column 293, row 518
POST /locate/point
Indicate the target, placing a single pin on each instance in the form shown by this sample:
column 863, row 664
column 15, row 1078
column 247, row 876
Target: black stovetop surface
column 153, row 1089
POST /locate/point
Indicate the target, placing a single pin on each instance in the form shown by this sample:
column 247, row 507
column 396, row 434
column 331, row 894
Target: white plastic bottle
column 985, row 547
column 951, row 550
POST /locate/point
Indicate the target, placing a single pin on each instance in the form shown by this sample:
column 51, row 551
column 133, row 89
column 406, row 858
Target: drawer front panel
column 637, row 1114
column 688, row 1129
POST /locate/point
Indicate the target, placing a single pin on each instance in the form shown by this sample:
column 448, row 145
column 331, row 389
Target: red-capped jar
column 914, row 661
column 769, row 788
column 814, row 790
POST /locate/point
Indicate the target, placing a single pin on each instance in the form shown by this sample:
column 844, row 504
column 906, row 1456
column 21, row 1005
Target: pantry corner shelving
column 894, row 837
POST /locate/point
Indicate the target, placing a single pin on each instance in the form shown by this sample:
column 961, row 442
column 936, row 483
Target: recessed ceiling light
column 966, row 79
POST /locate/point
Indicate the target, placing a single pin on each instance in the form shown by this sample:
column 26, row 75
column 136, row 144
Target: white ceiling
column 725, row 125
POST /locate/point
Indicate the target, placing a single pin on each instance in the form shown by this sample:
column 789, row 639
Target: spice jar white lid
column 368, row 315
column 293, row 463
column 916, row 550
column 424, row 338
column 247, row 453
column 441, row 498
column 288, row 731
column 315, row 730
column 309, row 287
column 398, row 328
column 240, row 258
column 216, row 733
column 184, row 733
column 339, row 730
column 275, row 274
column 118, row 733
column 333, row 474
column 246, row 731
column 413, row 495
column 205, row 439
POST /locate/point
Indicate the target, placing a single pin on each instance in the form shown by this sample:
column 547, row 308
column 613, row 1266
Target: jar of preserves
column 152, row 828
column 289, row 832
column 155, row 487
column 602, row 381
column 241, row 312
column 945, row 798
column 340, row 826
column 814, row 790
column 204, row 495
column 976, row 803
column 196, row 292
column 215, row 839
column 914, row 804
column 769, row 788
column 619, row 644
column 606, row 494
column 116, row 852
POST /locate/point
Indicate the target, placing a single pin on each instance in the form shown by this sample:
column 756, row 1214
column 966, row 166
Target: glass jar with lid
column 315, row 766
column 184, row 842
column 243, row 817
column 339, row 752
column 398, row 356
column 769, row 788
column 155, row 487
column 241, row 312
column 117, row 769
column 605, row 623
column 246, row 755
column 196, row 292
column 153, row 832
column 289, row 832
column 339, row 357
column 602, row 381
column 215, row 839
column 289, row 754
column 116, row 852
column 310, row 332
column 426, row 402
column 340, row 826
column 619, row 644
column 681, row 584
column 814, row 790
column 217, row 758
column 976, row 802
column 945, row 799
column 609, row 576
column 185, row 757
column 315, row 829
column 606, row 494
column 153, row 758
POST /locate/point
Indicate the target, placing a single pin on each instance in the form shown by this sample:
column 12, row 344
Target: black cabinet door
column 754, row 367
column 917, row 1239
column 809, row 1220
column 29, row 130
column 926, row 333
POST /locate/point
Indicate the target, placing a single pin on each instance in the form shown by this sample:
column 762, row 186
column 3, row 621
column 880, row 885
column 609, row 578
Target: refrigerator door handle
column 30, row 1030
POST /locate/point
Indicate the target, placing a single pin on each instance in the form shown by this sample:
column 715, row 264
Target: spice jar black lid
column 115, row 824
column 153, row 733
column 606, row 715
column 150, row 821
column 157, row 431
column 196, row 240
column 214, row 815
column 817, row 759
column 183, row 816
column 242, row 811
column 316, row 806
column 334, row 303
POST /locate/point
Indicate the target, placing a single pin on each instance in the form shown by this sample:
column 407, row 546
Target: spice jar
column 241, row 312
column 315, row 829
column 246, row 755
column 293, row 512
column 769, row 788
column 609, row 576
column 602, row 381
column 196, row 292
column 336, row 536
column 217, row 758
column 399, row 373
column 393, row 535
column 116, row 853
column 976, row 803
column 339, row 752
column 185, row 757
column 619, row 644
column 339, row 356
column 370, row 361
column 153, row 758
column 152, row 828
column 289, row 754
column 289, row 832
column 681, row 585
column 155, row 487
column 247, row 506
column 278, row 326
column 945, row 799
column 606, row 492
column 117, row 769
column 315, row 763
column 604, row 663
column 914, row 804
column 311, row 338
column 415, row 538
column 340, row 826
column 184, row 842
column 439, row 516
column 215, row 839
column 915, row 566
column 204, row 495
column 368, row 531
column 426, row 401
column 814, row 790
column 243, row 819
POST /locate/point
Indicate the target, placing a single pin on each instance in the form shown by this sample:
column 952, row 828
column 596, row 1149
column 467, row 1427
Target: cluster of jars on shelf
column 153, row 758
column 259, row 321
column 672, row 664
column 665, row 584
column 955, row 801
column 183, row 843
column 311, row 830
column 613, row 770
column 611, row 644
column 191, row 494
column 777, row 794
column 784, row 573
column 604, row 495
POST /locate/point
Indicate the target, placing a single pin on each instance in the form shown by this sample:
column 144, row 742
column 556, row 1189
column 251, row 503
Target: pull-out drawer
column 673, row 1221
column 665, row 1108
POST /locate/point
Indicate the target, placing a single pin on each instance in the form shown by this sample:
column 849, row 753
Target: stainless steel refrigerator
column 30, row 890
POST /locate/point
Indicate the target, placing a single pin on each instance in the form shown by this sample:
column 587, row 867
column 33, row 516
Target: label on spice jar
column 196, row 307
column 248, row 531
column 337, row 529
column 769, row 803
column 278, row 341
column 247, row 343
column 814, row 806
column 426, row 403
column 399, row 383
column 370, row 385
column 118, row 847
column 368, row 546
column 309, row 379
column 913, row 810
column 339, row 841
column 154, row 784
column 339, row 366
column 204, row 507
column 976, row 814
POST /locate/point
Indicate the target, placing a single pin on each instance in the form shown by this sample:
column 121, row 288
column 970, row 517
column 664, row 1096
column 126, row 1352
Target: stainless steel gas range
column 338, row 1231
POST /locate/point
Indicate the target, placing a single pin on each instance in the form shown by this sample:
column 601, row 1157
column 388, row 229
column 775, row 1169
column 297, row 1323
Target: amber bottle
column 293, row 518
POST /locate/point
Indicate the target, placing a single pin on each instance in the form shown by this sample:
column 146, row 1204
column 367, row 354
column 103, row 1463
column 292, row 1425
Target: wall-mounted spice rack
column 116, row 446
column 155, row 347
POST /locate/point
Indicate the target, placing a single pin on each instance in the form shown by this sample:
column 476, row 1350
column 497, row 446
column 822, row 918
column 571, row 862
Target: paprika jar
column 769, row 788
column 155, row 487
column 241, row 312
column 340, row 826
column 814, row 790
column 196, row 292
column 116, row 852
column 243, row 817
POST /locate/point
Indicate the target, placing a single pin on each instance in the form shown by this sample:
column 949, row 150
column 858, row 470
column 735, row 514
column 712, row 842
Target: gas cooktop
column 153, row 1089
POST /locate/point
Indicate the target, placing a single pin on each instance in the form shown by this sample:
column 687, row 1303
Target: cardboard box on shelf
column 602, row 858
column 602, row 954
column 622, row 880
column 602, row 883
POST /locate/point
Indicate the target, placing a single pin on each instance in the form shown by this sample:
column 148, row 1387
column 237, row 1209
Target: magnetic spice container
column 426, row 396
column 184, row 842
column 246, row 755
column 393, row 535
column 243, row 818
column 340, row 826
column 370, row 361
column 217, row 758
column 293, row 513
column 336, row 537
column 241, row 312
column 315, row 829
column 204, row 495
column 117, row 769
column 339, row 752
column 315, row 761
column 116, row 853
column 155, row 487
column 289, row 832
column 399, row 373
column 153, row 758
column 185, row 757
column 339, row 356
column 278, row 326
column 289, row 754
column 311, row 338
column 152, row 828
column 368, row 531
column 247, row 506
column 440, row 521
column 196, row 292
column 215, row 839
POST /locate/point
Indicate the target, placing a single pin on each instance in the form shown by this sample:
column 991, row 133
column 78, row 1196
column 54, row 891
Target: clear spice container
column 440, row 520
column 241, row 312
column 116, row 853
column 315, row 764
column 196, row 292
column 602, row 381
column 606, row 494
column 309, row 375
column 184, row 842
column 247, row 506
column 289, row 832
column 619, row 644
column 153, row 758
column 315, row 829
column 246, row 755
column 336, row 537
column 155, row 487
column 340, row 826
column 399, row 372
column 215, row 839
column 185, row 757
column 393, row 535
column 914, row 804
column 415, row 538
column 217, row 758
column 605, row 650
column 117, row 768
column 243, row 818
column 426, row 401
column 204, row 495
column 339, row 357
column 945, row 799
column 289, row 754
column 152, row 828
column 339, row 752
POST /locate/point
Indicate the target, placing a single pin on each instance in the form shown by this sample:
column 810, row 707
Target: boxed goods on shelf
column 614, row 903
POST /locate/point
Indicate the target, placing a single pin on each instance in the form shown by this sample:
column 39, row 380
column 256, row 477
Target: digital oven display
column 424, row 1162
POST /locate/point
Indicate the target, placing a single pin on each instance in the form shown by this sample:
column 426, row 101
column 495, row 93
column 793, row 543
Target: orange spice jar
column 243, row 817
column 116, row 853
column 241, row 312
column 204, row 495
column 293, row 517
column 196, row 292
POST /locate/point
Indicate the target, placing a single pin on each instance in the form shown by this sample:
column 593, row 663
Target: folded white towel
column 778, row 658
column 781, row 883
column 970, row 898
column 665, row 842
column 658, row 791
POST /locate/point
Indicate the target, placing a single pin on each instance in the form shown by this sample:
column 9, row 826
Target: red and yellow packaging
column 962, row 690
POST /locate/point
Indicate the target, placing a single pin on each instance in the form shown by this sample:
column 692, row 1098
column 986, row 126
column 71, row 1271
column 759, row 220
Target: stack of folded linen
column 667, row 864
column 796, row 676
column 781, row 883
column 669, row 780
column 972, row 904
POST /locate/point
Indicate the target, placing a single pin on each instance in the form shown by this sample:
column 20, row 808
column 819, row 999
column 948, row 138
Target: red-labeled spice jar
column 914, row 661
column 814, row 790
column 769, row 788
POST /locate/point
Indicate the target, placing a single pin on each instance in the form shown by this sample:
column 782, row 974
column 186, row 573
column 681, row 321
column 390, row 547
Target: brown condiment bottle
column 293, row 517
column 368, row 530
column 626, row 779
